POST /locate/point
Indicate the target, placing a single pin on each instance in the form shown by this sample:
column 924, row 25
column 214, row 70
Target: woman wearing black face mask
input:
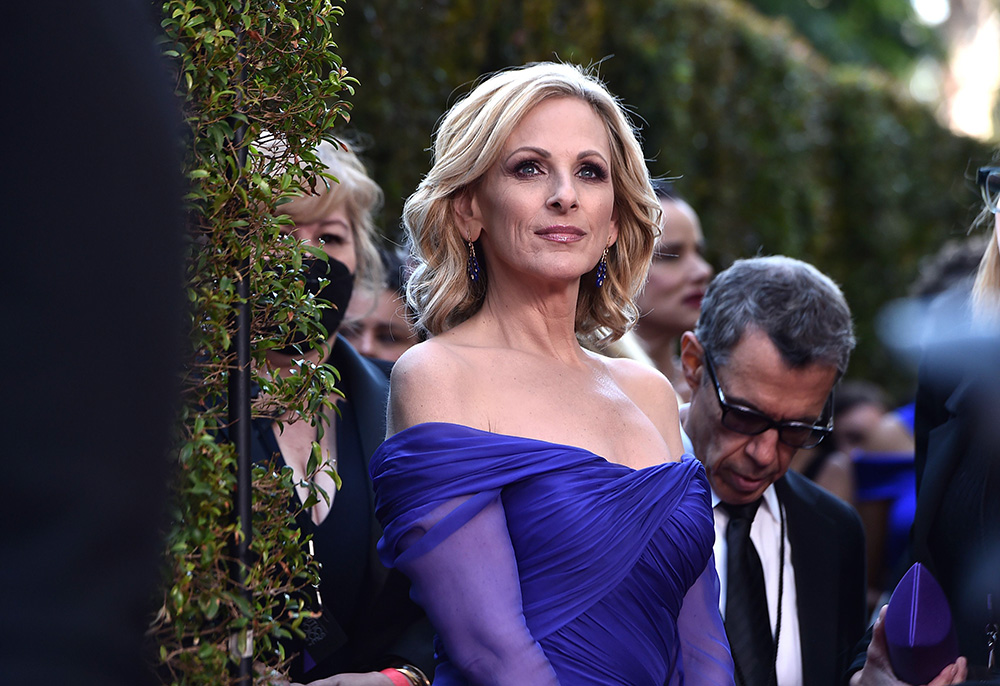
column 368, row 623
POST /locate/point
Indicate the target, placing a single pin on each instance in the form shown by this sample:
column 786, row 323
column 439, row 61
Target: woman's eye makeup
column 527, row 168
column 590, row 171
column 331, row 239
column 593, row 171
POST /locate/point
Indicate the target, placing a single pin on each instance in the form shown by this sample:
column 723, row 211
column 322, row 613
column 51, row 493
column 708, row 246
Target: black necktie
column 747, row 624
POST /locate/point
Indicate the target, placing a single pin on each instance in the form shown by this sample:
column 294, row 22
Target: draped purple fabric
column 541, row 563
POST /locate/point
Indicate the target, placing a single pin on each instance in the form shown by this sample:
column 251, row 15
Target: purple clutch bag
column 918, row 628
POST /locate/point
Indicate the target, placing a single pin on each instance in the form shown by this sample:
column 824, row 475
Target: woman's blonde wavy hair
column 469, row 140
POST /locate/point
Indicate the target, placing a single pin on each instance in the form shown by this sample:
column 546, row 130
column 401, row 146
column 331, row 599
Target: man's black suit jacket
column 956, row 528
column 828, row 555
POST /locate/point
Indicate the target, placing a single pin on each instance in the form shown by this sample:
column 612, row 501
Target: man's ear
column 469, row 219
column 692, row 360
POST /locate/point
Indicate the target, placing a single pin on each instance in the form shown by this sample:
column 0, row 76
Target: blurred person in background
column 367, row 622
column 861, row 422
column 868, row 462
column 938, row 305
column 956, row 529
column 671, row 300
column 376, row 323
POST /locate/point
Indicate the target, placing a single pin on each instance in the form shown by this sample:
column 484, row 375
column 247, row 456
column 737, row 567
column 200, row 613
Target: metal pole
column 239, row 419
column 239, row 414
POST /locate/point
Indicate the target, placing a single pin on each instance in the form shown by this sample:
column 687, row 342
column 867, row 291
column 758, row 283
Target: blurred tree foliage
column 777, row 148
column 876, row 33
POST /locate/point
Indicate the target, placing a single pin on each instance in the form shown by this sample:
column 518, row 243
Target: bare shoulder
column 425, row 385
column 644, row 384
column 653, row 394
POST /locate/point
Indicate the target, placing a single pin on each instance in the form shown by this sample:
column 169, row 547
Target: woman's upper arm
column 422, row 388
column 464, row 573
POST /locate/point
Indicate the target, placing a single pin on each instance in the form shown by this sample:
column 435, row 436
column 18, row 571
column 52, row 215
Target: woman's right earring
column 473, row 264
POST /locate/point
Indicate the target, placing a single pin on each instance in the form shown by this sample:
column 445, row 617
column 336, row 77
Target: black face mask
column 337, row 292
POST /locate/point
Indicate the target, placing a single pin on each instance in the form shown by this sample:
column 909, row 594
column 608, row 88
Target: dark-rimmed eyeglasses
column 749, row 422
column 988, row 180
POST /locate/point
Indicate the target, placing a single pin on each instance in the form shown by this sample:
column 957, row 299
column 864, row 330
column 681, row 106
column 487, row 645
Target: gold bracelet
column 416, row 677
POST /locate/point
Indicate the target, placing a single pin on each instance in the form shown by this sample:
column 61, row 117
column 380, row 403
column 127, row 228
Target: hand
column 366, row 679
column 878, row 671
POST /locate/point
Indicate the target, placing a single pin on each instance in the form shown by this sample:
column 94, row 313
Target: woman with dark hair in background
column 376, row 323
column 671, row 301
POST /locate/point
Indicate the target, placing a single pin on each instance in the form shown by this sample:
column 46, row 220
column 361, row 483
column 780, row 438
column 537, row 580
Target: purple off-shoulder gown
column 542, row 563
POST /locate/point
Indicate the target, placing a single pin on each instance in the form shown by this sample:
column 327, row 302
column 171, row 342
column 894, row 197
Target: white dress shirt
column 765, row 534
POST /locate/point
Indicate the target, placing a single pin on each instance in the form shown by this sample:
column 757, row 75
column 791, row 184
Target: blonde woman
column 366, row 631
column 534, row 491
column 986, row 291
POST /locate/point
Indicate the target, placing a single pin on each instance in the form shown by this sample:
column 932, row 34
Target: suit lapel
column 367, row 390
column 816, row 577
column 945, row 445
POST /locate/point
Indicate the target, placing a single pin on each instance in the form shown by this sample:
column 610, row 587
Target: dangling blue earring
column 602, row 269
column 473, row 264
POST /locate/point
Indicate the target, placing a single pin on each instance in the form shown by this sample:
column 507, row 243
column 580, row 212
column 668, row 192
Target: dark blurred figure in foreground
column 92, row 310
column 956, row 530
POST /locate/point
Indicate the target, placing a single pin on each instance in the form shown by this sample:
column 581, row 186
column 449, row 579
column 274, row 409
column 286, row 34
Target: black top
column 956, row 528
column 369, row 618
column 956, row 531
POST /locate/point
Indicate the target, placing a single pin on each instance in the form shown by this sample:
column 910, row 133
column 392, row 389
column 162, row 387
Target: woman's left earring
column 602, row 269
column 473, row 263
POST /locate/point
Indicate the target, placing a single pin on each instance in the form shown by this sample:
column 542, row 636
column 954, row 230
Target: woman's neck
column 543, row 324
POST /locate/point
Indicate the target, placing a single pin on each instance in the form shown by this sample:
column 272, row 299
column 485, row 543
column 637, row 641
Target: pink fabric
column 396, row 677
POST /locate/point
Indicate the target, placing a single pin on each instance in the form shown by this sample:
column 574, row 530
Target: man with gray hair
column 773, row 338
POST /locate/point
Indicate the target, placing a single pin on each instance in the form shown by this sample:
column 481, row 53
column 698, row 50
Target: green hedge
column 778, row 150
column 243, row 69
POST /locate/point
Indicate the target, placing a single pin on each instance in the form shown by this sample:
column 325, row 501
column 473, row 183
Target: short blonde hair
column 467, row 144
column 359, row 194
